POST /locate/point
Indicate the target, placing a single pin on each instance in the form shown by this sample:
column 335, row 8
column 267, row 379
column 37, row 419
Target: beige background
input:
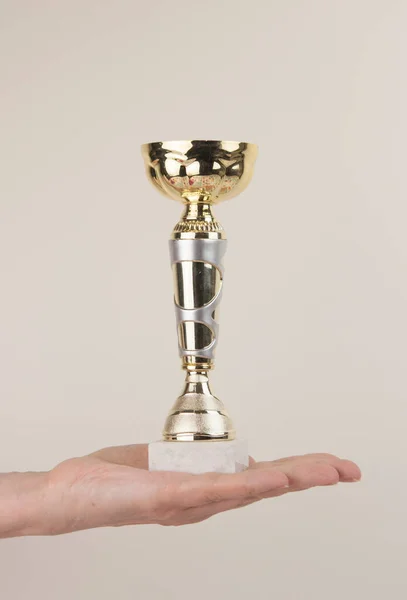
column 315, row 296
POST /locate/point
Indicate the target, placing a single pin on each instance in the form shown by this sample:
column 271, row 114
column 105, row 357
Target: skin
column 112, row 487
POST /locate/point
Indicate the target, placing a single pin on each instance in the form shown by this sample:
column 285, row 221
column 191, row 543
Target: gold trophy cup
column 199, row 174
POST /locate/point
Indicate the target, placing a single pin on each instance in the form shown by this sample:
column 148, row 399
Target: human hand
column 113, row 487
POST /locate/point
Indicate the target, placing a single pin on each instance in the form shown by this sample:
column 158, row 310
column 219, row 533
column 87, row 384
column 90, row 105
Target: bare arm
column 21, row 503
column 113, row 487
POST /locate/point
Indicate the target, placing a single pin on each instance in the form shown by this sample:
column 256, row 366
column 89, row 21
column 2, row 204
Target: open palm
column 113, row 487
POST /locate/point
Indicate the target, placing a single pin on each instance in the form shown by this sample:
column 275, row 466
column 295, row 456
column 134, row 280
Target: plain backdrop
column 312, row 353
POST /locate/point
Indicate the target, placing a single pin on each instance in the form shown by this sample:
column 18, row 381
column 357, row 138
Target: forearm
column 23, row 504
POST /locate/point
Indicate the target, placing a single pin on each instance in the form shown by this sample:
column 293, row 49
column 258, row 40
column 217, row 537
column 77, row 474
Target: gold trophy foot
column 198, row 425
column 198, row 436
column 198, row 414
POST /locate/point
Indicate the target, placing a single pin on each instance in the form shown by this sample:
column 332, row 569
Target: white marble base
column 199, row 457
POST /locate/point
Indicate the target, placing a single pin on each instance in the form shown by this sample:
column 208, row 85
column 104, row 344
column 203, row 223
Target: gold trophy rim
column 213, row 141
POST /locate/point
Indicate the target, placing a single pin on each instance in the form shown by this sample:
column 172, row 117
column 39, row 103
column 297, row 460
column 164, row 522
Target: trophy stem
column 197, row 247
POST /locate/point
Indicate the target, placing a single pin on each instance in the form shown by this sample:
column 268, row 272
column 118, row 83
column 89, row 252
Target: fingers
column 195, row 498
column 135, row 455
column 201, row 490
column 313, row 470
column 348, row 470
column 304, row 476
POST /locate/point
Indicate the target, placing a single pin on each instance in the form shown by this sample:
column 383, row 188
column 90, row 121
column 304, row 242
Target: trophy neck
column 198, row 222
column 197, row 383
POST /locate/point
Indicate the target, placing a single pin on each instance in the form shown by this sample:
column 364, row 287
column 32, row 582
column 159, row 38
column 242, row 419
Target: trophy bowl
column 200, row 170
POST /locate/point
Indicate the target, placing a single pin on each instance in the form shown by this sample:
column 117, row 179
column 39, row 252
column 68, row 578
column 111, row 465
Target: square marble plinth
column 199, row 457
